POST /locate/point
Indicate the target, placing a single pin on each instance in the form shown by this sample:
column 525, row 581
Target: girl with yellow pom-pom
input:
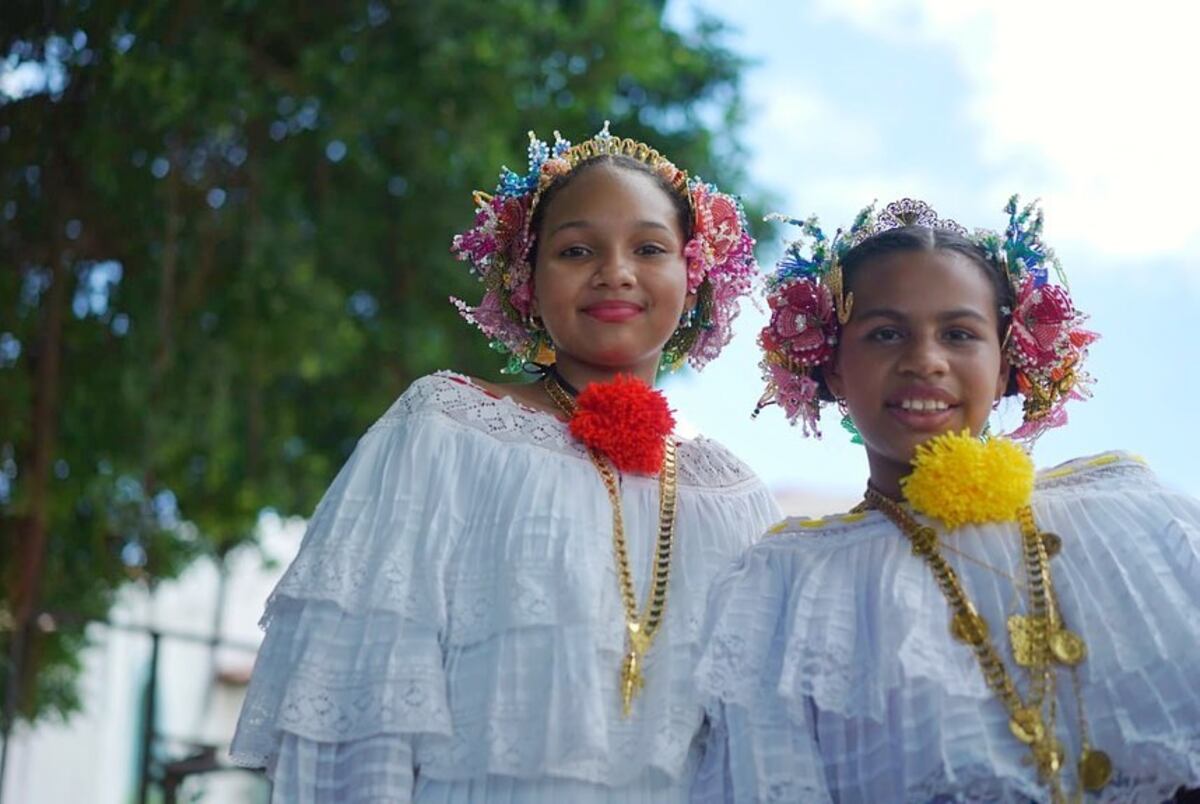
column 972, row 631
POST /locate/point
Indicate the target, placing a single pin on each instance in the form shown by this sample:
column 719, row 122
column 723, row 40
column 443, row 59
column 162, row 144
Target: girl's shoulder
column 1114, row 468
column 707, row 463
column 861, row 524
column 461, row 402
column 440, row 392
column 831, row 531
column 449, row 400
column 1090, row 468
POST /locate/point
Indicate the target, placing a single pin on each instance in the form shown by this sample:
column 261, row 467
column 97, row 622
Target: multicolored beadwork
column 1045, row 343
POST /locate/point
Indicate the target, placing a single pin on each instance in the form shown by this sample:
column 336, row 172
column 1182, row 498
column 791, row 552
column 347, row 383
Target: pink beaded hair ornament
column 720, row 253
column 1045, row 342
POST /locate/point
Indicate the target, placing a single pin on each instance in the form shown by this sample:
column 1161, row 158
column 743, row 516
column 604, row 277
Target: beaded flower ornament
column 720, row 253
column 1045, row 343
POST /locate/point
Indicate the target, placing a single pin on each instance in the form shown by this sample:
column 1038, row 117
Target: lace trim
column 703, row 463
column 1083, row 471
column 731, row 669
column 1065, row 477
column 315, row 709
column 728, row 672
column 805, row 530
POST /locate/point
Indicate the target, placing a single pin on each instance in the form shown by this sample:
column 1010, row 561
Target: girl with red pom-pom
column 500, row 596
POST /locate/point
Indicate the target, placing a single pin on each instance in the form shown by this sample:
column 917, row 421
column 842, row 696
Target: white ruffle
column 456, row 591
column 832, row 671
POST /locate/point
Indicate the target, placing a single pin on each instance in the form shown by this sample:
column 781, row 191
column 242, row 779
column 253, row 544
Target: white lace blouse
column 451, row 629
column 833, row 675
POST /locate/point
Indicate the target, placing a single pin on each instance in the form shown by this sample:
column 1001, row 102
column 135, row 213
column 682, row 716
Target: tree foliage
column 223, row 251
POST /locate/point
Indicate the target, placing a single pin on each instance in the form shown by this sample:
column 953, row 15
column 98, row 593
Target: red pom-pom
column 626, row 420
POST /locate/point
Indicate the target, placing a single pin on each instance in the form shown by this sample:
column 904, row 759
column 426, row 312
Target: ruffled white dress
column 452, row 631
column 832, row 674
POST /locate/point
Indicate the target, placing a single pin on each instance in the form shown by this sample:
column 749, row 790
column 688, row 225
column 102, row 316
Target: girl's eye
column 884, row 335
column 650, row 249
column 958, row 334
column 574, row 251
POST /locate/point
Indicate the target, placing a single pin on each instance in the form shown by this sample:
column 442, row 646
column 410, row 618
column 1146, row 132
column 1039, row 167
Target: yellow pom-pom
column 961, row 480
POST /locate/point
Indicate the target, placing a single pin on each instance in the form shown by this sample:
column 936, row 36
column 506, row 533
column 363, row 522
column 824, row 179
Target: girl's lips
column 613, row 311
column 923, row 420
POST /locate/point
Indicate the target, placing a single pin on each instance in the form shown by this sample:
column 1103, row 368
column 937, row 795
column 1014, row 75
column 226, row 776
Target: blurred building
column 96, row 756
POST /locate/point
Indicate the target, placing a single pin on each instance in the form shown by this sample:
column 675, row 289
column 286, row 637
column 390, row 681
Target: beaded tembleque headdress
column 1045, row 343
column 720, row 254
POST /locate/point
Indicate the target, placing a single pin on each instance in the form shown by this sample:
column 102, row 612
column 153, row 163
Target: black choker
column 551, row 372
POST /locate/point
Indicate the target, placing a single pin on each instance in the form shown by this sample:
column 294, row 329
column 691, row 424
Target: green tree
column 224, row 242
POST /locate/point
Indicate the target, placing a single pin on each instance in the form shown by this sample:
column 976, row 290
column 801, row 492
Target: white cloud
column 836, row 198
column 817, row 156
column 788, row 112
column 1095, row 101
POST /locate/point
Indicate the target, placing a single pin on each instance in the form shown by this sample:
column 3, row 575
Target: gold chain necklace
column 1019, row 585
column 1051, row 549
column 1038, row 638
column 640, row 628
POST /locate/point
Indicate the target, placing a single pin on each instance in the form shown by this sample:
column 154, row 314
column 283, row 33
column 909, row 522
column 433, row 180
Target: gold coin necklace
column 640, row 627
column 1039, row 640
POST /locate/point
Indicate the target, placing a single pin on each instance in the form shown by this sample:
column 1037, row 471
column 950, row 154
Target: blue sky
column 962, row 104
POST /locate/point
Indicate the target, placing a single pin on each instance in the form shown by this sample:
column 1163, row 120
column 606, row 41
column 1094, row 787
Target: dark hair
column 922, row 238
column 682, row 206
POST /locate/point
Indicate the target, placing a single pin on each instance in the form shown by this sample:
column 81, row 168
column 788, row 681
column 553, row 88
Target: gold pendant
column 1026, row 725
column 969, row 627
column 1049, row 754
column 631, row 681
column 1052, row 542
column 1095, row 769
column 1068, row 647
column 1020, row 638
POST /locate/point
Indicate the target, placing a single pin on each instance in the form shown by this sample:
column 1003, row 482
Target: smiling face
column 610, row 278
column 920, row 355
